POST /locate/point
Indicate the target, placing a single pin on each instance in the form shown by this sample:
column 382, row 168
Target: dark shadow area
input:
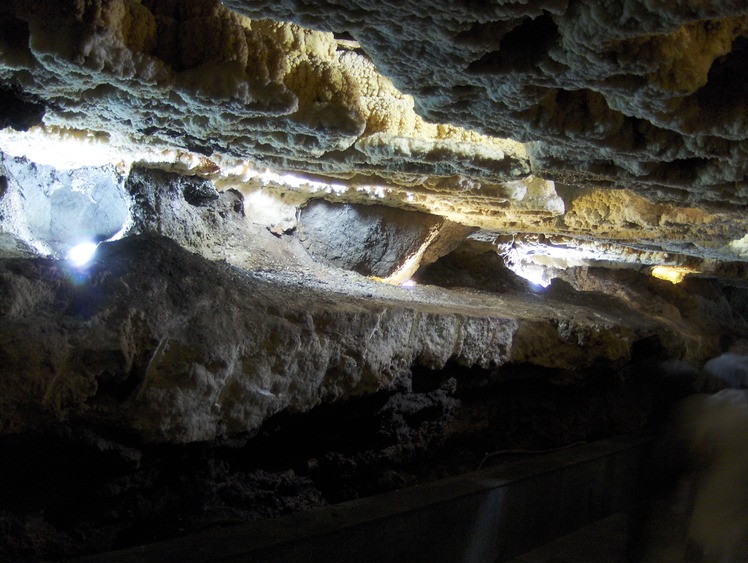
column 73, row 489
column 18, row 112
column 521, row 49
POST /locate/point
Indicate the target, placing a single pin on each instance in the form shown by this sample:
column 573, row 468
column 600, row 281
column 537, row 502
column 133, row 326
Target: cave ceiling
column 615, row 131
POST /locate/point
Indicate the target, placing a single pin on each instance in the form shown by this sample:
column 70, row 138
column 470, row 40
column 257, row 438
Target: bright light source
column 538, row 275
column 408, row 283
column 296, row 182
column 81, row 254
column 61, row 148
column 673, row 274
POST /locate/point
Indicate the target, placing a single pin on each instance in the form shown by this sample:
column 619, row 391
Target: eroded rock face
column 183, row 350
column 633, row 91
column 155, row 339
column 200, row 76
column 53, row 210
column 472, row 265
column 187, row 209
column 576, row 138
column 175, row 393
column 375, row 240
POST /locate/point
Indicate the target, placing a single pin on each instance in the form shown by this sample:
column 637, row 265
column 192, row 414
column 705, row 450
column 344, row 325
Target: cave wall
column 216, row 366
column 263, row 176
column 641, row 94
column 637, row 92
column 156, row 393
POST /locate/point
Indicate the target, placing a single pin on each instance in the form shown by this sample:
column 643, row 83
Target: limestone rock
column 154, row 339
column 374, row 240
column 205, row 78
column 258, row 157
column 52, row 210
column 180, row 349
column 632, row 92
column 189, row 210
column 546, row 117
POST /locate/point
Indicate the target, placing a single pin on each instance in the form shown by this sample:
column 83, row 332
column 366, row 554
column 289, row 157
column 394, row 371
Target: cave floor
column 495, row 514
column 605, row 541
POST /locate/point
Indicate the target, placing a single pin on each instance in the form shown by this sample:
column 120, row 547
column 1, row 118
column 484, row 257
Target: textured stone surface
column 643, row 97
column 187, row 209
column 584, row 142
column 161, row 341
column 53, row 210
column 182, row 349
column 375, row 240
column 257, row 89
column 634, row 90
column 158, row 393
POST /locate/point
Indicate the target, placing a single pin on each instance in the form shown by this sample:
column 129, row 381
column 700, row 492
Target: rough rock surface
column 155, row 339
column 375, row 240
column 209, row 369
column 644, row 92
column 187, row 209
column 157, row 393
column 53, row 210
column 645, row 97
column 196, row 75
column 694, row 308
